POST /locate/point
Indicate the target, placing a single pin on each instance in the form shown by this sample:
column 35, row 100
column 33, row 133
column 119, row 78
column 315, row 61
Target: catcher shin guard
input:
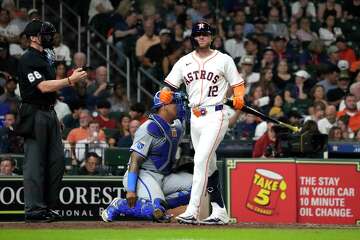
column 178, row 199
column 213, row 188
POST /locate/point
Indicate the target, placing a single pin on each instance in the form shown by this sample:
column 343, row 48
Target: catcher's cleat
column 109, row 214
column 158, row 213
column 186, row 219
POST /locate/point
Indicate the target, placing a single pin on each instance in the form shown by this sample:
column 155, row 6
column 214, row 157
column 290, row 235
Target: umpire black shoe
column 41, row 217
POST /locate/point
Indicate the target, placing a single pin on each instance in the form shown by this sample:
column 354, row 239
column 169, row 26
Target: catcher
column 152, row 186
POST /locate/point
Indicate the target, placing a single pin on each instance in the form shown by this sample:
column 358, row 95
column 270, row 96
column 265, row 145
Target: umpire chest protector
column 162, row 154
column 35, row 67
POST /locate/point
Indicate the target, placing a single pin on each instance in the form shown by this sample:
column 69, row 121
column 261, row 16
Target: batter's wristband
column 132, row 180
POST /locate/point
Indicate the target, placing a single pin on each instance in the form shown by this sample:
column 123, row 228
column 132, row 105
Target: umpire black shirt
column 34, row 67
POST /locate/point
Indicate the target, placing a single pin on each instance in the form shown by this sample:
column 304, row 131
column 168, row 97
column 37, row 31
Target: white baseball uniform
column 207, row 80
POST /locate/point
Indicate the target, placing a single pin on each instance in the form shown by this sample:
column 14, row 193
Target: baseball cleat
column 110, row 212
column 158, row 213
column 216, row 218
column 186, row 219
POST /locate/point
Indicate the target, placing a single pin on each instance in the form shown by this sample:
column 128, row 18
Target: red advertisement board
column 263, row 192
column 328, row 193
column 318, row 192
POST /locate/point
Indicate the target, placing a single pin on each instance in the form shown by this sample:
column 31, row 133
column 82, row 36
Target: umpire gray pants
column 43, row 164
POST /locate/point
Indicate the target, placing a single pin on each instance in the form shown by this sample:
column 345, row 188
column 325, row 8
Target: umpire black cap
column 36, row 27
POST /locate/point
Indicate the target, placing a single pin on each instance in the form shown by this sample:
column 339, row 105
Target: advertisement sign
column 81, row 198
column 328, row 193
column 262, row 192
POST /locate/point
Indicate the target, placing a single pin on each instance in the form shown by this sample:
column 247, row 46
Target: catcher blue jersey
column 157, row 141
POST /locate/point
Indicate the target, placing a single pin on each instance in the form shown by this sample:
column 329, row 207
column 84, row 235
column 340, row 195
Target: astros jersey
column 206, row 79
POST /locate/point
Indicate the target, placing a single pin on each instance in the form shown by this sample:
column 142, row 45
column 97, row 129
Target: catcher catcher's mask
column 44, row 30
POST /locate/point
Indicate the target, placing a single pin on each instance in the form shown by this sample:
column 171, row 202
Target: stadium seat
column 117, row 159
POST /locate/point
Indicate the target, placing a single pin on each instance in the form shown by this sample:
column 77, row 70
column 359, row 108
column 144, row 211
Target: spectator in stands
column 61, row 109
column 342, row 123
column 60, row 70
column 267, row 82
column 351, row 111
column 8, row 64
column 326, row 123
column 123, row 127
column 240, row 18
column 154, row 56
column 335, row 134
column 304, row 34
column 99, row 7
column 90, row 167
column 265, row 145
column 9, row 95
column 282, row 76
column 137, row 111
column 280, row 46
column 303, row 8
column 82, row 132
column 331, row 76
column 357, row 136
column 98, row 90
column 276, row 109
column 62, row 51
column 8, row 32
column 124, row 35
column 79, row 60
column 103, row 108
column 296, row 94
column 118, row 99
column 269, row 59
column 9, row 141
column 219, row 45
column 94, row 142
column 33, row 14
column 334, row 96
column 71, row 120
column 257, row 97
column 333, row 55
column 146, row 41
column 126, row 141
column 345, row 52
column 7, row 166
column 245, row 129
column 17, row 50
column 245, row 66
column 251, row 46
column 274, row 26
column 235, row 46
column 329, row 31
column 317, row 94
column 352, row 10
column 329, row 8
column 316, row 111
column 312, row 56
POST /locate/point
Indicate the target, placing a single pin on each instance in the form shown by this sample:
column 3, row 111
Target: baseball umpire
column 38, row 124
column 151, row 184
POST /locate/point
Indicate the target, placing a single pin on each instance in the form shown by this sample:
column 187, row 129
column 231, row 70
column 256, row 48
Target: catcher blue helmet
column 157, row 103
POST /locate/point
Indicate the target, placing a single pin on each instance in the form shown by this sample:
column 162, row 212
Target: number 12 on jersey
column 213, row 91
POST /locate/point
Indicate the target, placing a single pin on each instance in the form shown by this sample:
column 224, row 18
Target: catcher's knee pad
column 178, row 199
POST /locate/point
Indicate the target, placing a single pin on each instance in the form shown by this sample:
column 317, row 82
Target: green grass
column 180, row 234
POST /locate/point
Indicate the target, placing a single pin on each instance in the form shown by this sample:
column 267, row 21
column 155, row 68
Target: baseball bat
column 264, row 117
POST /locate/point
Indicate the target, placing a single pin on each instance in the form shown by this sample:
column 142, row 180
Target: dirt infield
column 147, row 224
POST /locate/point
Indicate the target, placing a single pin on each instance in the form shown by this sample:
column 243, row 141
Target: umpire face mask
column 47, row 35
